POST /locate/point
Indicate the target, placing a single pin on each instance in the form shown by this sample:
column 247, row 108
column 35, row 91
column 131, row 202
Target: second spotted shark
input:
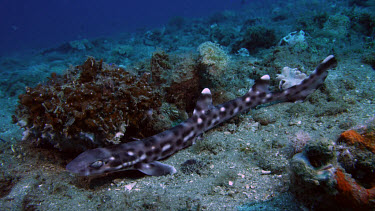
column 144, row 154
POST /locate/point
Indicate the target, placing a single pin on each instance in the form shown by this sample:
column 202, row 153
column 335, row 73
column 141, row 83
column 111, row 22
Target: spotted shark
column 143, row 155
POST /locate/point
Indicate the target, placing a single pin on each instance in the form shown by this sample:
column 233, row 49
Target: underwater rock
column 91, row 105
column 313, row 172
column 159, row 65
column 224, row 35
column 243, row 52
column 255, row 38
column 353, row 195
column 265, row 117
column 356, row 179
column 315, row 164
column 295, row 40
column 369, row 58
column 183, row 82
column 215, row 57
column 154, row 37
column 337, row 26
column 337, row 177
column 192, row 166
column 123, row 50
column 80, row 45
column 169, row 116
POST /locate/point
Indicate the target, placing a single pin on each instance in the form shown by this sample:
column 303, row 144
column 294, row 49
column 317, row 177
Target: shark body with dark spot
column 144, row 154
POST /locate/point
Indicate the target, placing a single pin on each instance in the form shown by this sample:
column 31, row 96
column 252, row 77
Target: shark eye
column 96, row 164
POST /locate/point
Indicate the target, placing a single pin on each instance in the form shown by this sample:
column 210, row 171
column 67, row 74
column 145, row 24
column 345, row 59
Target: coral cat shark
column 143, row 155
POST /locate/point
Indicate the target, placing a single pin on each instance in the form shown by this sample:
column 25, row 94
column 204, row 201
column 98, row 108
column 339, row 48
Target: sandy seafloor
column 245, row 165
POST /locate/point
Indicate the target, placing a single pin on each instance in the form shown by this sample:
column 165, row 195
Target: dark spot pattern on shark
column 144, row 154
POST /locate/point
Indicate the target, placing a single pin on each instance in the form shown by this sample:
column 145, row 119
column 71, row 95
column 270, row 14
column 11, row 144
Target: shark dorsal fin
column 204, row 102
column 261, row 85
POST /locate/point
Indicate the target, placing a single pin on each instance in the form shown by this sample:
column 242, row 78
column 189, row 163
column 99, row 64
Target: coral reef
column 356, row 154
column 92, row 105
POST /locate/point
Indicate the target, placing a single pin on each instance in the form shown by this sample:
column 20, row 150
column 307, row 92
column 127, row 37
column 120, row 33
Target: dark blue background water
column 26, row 24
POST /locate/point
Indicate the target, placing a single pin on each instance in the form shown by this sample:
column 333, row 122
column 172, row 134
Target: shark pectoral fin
column 156, row 168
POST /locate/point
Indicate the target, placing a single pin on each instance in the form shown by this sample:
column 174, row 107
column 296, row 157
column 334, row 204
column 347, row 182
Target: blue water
column 39, row 23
